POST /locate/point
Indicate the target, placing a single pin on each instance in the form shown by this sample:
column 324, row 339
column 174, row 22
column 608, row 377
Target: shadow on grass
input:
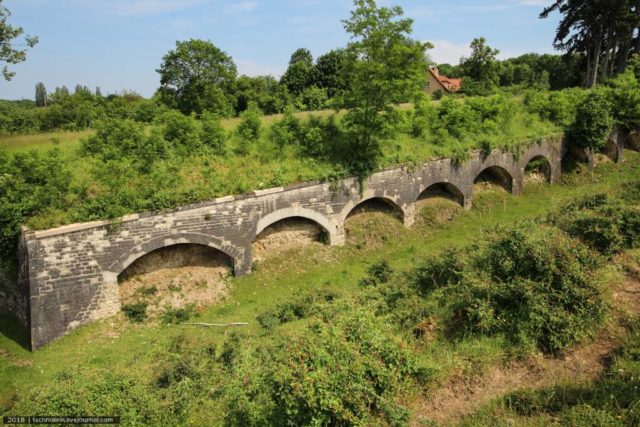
column 12, row 329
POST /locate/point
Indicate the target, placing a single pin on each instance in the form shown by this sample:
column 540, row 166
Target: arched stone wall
column 71, row 269
column 297, row 212
column 448, row 187
column 129, row 257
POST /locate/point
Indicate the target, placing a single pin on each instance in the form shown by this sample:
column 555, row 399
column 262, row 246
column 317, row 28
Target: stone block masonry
column 71, row 273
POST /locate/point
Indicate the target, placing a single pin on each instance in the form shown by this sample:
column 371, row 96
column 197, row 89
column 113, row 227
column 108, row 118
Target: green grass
column 116, row 346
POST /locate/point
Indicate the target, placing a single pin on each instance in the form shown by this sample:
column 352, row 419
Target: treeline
column 63, row 110
column 532, row 70
column 606, row 33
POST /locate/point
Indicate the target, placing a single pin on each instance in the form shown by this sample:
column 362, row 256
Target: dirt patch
column 433, row 211
column 176, row 276
column 369, row 229
column 284, row 236
column 482, row 187
column 462, row 396
column 535, row 177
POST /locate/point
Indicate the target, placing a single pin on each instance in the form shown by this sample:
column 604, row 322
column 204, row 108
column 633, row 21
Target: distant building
column 437, row 82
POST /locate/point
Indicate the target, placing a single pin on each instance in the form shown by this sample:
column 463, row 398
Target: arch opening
column 611, row 150
column 438, row 204
column 373, row 222
column 286, row 234
column 538, row 170
column 633, row 141
column 177, row 276
column 442, row 190
column 574, row 159
column 376, row 204
column 492, row 177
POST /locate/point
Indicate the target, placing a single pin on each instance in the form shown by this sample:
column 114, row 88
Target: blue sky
column 118, row 44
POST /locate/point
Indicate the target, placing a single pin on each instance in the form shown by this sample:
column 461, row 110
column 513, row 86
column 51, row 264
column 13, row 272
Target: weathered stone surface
column 71, row 272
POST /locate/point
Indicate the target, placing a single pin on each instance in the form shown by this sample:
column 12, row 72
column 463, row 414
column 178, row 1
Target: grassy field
column 115, row 346
column 198, row 175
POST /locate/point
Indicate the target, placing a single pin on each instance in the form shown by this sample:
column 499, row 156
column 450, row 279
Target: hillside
column 181, row 374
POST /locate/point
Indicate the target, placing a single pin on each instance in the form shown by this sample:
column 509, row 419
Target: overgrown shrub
column 344, row 372
column 377, row 273
column 181, row 132
column 607, row 225
column 74, row 393
column 285, row 131
column 299, row 308
column 593, row 123
column 250, row 124
column 212, row 134
column 531, row 283
column 177, row 315
column 136, row 312
column 30, row 183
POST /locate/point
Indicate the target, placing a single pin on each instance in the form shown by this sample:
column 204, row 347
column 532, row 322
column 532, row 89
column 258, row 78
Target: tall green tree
column 384, row 66
column 197, row 76
column 329, row 72
column 482, row 65
column 10, row 50
column 301, row 55
column 300, row 73
column 605, row 31
column 41, row 95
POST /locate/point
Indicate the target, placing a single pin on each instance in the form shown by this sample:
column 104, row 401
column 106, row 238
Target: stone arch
column 633, row 141
column 351, row 206
column 133, row 254
column 574, row 155
column 498, row 174
column 611, row 150
column 294, row 212
column 540, row 162
column 445, row 188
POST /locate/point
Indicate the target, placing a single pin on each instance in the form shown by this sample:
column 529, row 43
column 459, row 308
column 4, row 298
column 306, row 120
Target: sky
column 118, row 44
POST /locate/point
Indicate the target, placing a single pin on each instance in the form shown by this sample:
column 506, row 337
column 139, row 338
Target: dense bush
column 607, row 225
column 30, row 184
column 342, row 371
column 71, row 394
column 530, row 283
column 559, row 107
column 136, row 312
column 593, row 123
column 533, row 284
column 298, row 308
column 74, row 112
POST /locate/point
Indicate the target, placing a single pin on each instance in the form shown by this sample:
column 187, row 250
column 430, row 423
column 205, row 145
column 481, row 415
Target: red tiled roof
column 449, row 84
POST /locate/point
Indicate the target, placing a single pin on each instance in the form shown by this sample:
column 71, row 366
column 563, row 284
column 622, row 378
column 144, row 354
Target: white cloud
column 446, row 52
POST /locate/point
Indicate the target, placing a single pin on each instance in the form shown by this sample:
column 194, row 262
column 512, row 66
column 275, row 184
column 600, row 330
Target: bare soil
column 284, row 236
column 461, row 396
column 176, row 276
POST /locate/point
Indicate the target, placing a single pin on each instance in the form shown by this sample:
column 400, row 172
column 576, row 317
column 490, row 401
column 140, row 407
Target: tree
column 301, row 55
column 41, row 95
column 328, row 72
column 9, row 52
column 482, row 65
column 300, row 73
column 603, row 30
column 384, row 66
column 197, row 76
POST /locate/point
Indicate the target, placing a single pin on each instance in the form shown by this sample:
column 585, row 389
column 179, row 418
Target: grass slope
column 115, row 346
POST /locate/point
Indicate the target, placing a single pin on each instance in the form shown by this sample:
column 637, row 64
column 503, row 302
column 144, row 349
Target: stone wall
column 72, row 271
